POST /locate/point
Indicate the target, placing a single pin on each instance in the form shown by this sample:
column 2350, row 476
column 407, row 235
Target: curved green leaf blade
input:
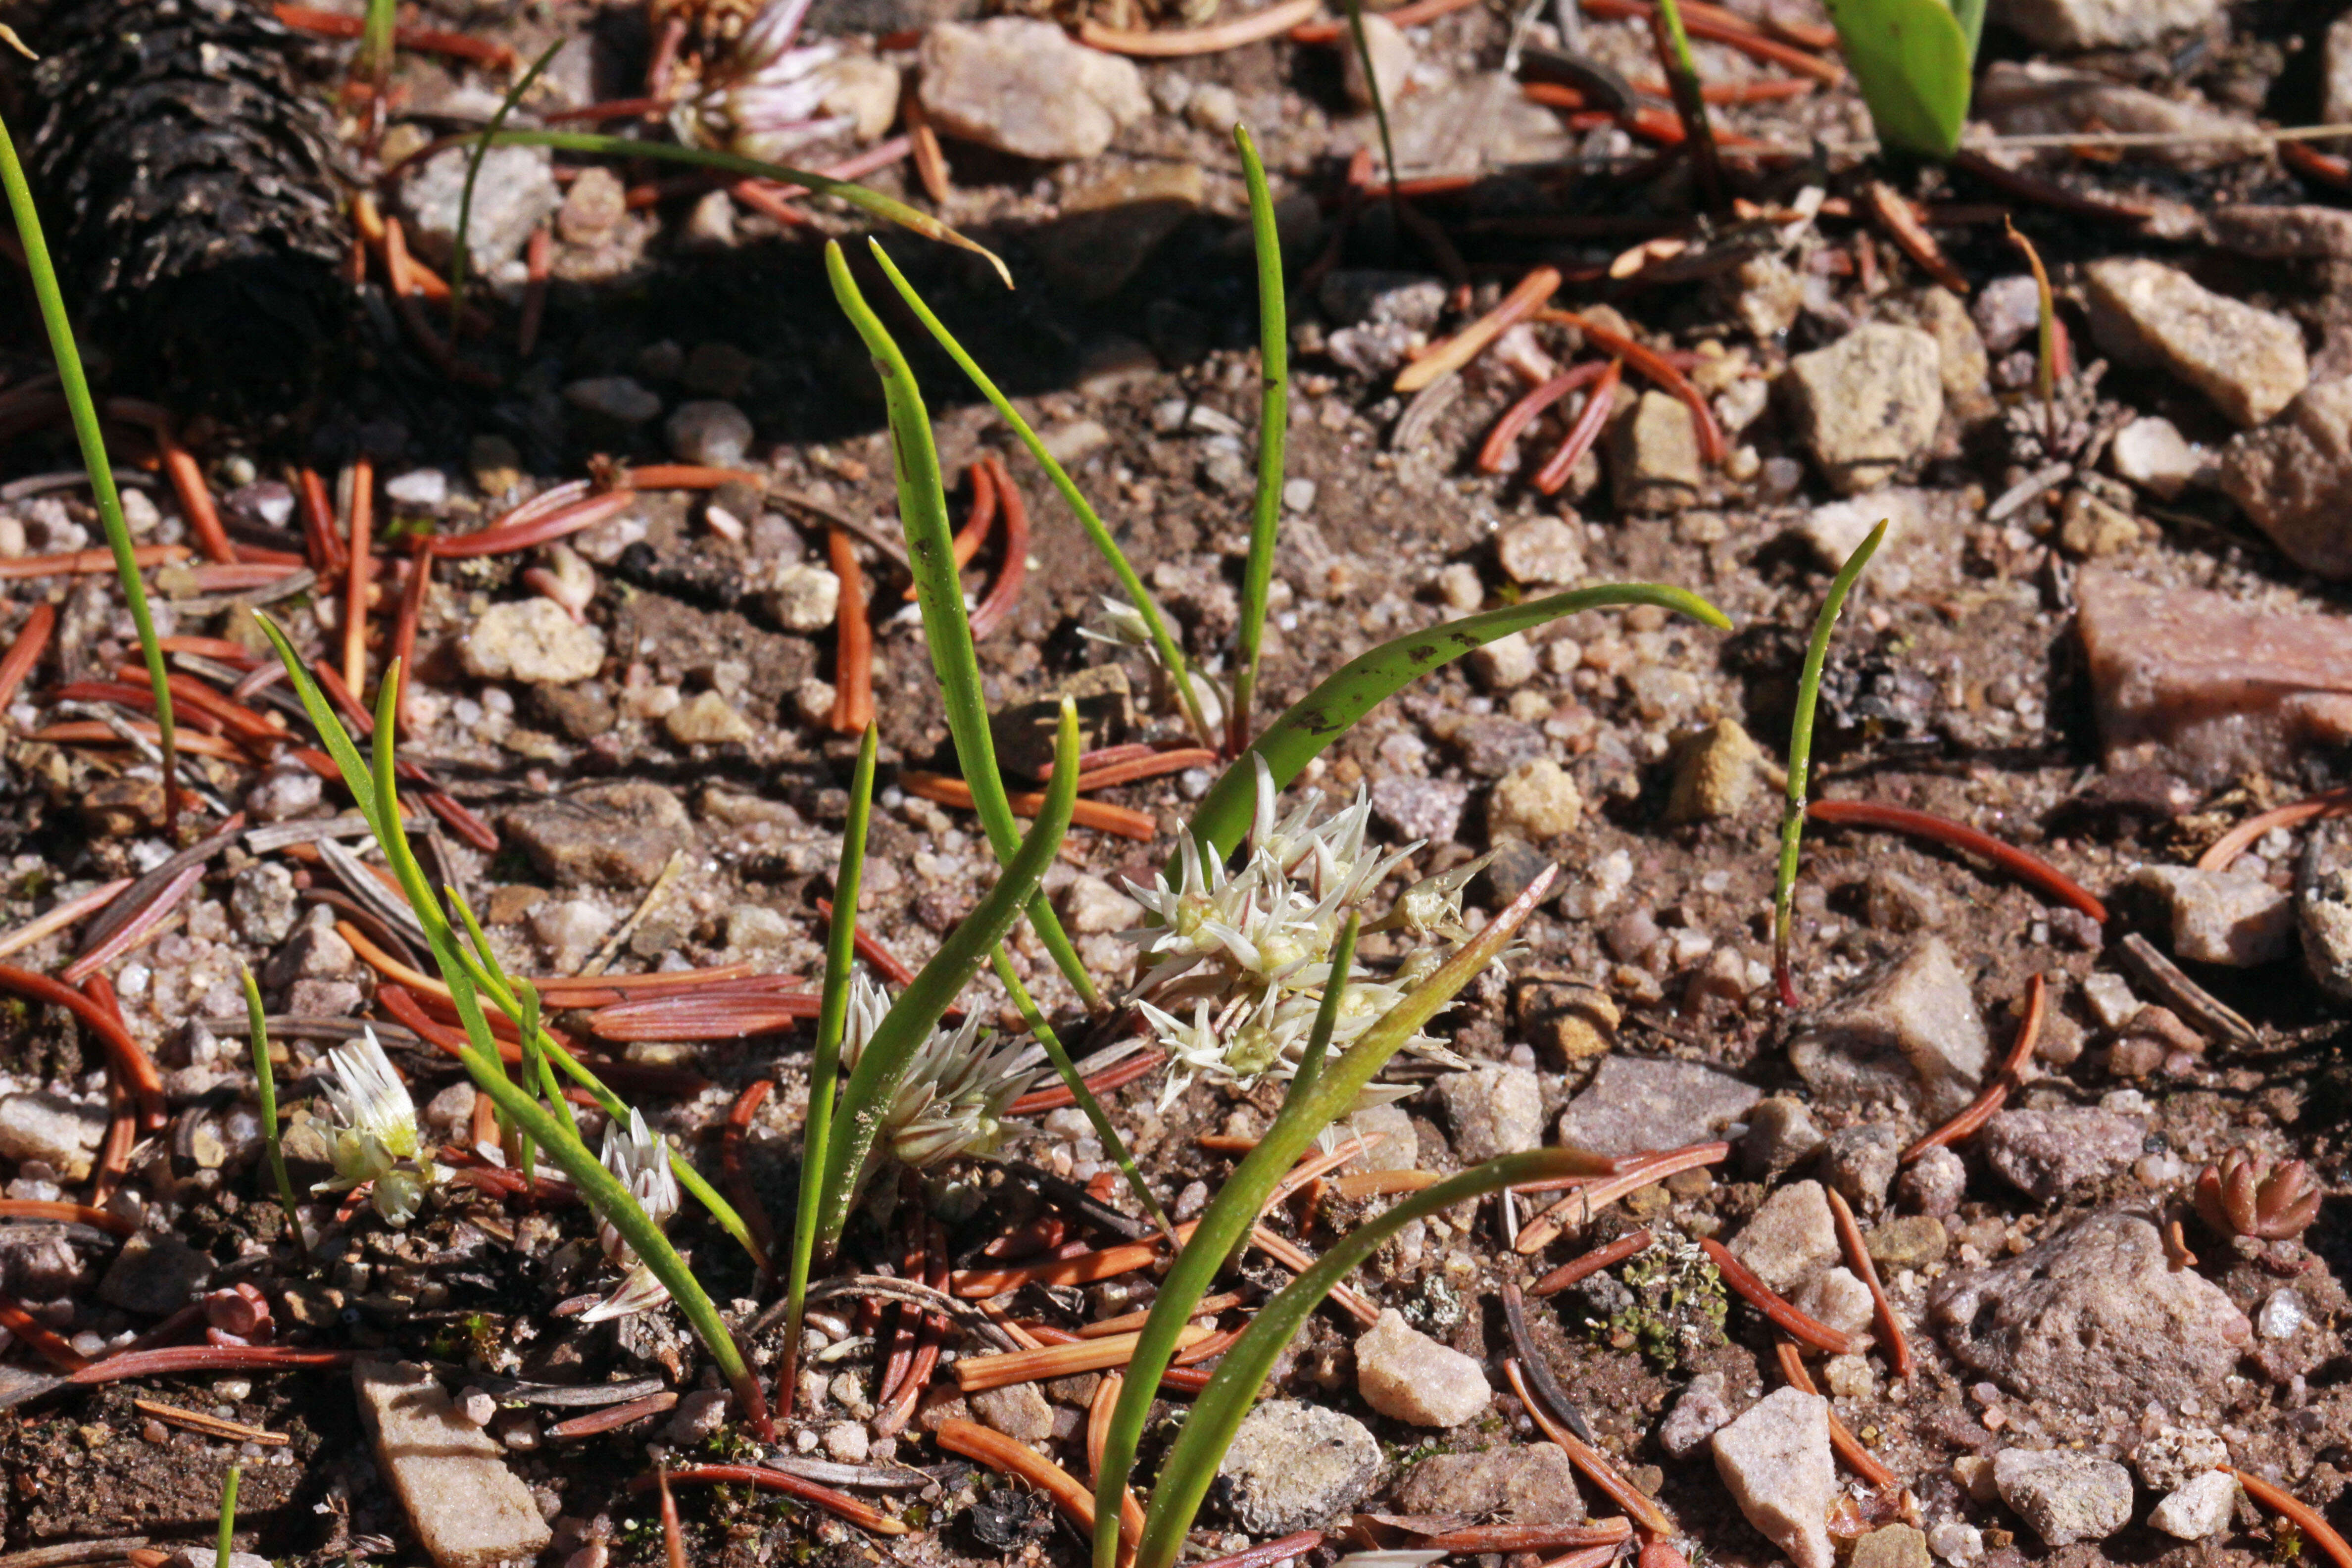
column 1190, row 1467
column 1911, row 59
column 1326, row 713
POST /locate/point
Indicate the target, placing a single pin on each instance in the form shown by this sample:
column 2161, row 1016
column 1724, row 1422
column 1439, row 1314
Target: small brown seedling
column 2243, row 1196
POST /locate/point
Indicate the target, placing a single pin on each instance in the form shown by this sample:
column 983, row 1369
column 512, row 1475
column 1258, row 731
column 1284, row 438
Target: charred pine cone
column 190, row 183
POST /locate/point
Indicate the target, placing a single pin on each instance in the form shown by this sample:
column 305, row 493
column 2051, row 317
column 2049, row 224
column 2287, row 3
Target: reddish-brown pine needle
column 32, row 641
column 704, row 1016
column 517, row 532
column 328, row 557
column 1655, row 366
column 132, row 1062
column 1152, row 766
column 1590, row 1460
column 1520, row 414
column 870, row 948
column 424, row 41
column 404, row 629
column 1256, row 27
column 931, row 158
column 2303, row 1517
column 1014, row 572
column 83, row 563
column 1902, row 224
column 1441, row 359
column 826, row 1498
column 1769, row 1302
column 1599, row 404
column 2222, row 854
column 853, row 674
column 2026, row 867
column 1861, row 1460
column 1098, row 815
column 1002, row 1453
column 206, row 1358
column 1038, row 1101
column 358, row 534
column 196, row 497
column 1723, row 27
column 1588, row 1197
column 1857, row 1257
column 731, row 1175
column 1980, row 1110
column 1592, row 1263
column 613, row 1416
column 45, row 1341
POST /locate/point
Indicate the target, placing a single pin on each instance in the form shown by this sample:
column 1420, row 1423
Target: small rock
column 1912, row 1242
column 619, row 835
column 2293, row 479
column 2066, row 1496
column 2249, row 363
column 1635, row 1104
column 1837, row 1298
column 1493, row 1111
column 2077, row 25
column 1091, row 906
column 1392, row 57
column 2042, row 99
column 1426, row 809
column 1654, row 456
column 1407, row 1376
column 1894, row 901
column 2323, row 907
column 568, row 930
column 1867, row 404
column 514, row 193
column 861, row 90
column 2177, row 1455
column 2150, row 452
column 2219, row 917
column 2198, row 1508
column 1913, row 1034
column 1352, row 296
column 467, row 1508
column 1392, row 1144
column 533, row 641
column 1780, row 1137
column 1961, row 351
column 593, row 207
column 1491, row 746
column 1541, row 551
column 1214, row 107
column 1505, row 662
column 54, row 1129
column 494, row 464
column 2006, row 311
column 1790, row 1238
column 1717, row 772
column 1861, row 1163
column 1535, row 801
column 2283, row 233
column 1771, row 295
column 1934, row 1183
column 1700, row 1412
column 1021, row 85
column 804, row 598
column 1776, row 1461
column 156, row 1275
column 616, row 397
column 2094, row 1315
column 1891, row 1546
column 2090, row 527
column 1836, row 529
column 1533, row 1483
column 707, row 719
column 1576, row 1021
column 2336, row 68
column 1018, row 1410
column 262, row 904
column 2046, row 1154
column 713, row 433
column 1293, row 1467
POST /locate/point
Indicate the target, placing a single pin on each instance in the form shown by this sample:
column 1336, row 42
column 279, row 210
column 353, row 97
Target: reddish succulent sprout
column 1861, row 1460
column 1769, row 1302
column 541, row 528
column 1553, row 477
column 853, row 659
column 2025, row 865
column 129, row 1059
column 1520, row 414
column 1592, row 1263
column 1055, row 1097
column 1014, row 572
column 832, row 1501
column 32, row 641
column 85, row 563
column 240, row 1309
column 1980, row 1110
column 2245, row 1196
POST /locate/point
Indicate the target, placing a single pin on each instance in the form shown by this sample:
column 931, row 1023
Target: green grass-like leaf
column 882, row 1065
column 1372, row 86
column 267, row 1076
column 460, row 256
column 92, row 441
column 1912, row 59
column 1800, row 753
column 947, row 625
column 825, row 1063
column 1226, row 1222
column 373, row 788
column 227, row 1517
column 1172, row 656
column 1190, row 1465
column 1328, row 711
column 857, row 195
column 377, row 34
column 1273, row 431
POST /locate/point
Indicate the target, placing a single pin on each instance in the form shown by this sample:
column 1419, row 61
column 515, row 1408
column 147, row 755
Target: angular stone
column 1792, row 1238
column 2046, row 1154
column 1913, row 1034
column 618, row 835
column 1891, row 1546
column 157, row 1274
column 1718, row 773
column 1934, row 1184
column 1776, row 1461
column 2248, row 361
column 2283, row 233
column 2294, row 480
column 513, row 195
column 1392, row 55
column 2177, row 1455
column 1700, row 1413
column 2077, row 25
column 2036, row 98
column 1111, row 228
column 1493, row 1111
column 2150, row 452
column 1293, row 1466
column 1861, row 1163
column 1534, row 1483
column 51, row 1128
column 2219, row 917
column 2323, row 907
column 1541, row 551
column 1414, row 807
column 1477, row 121
column 1780, row 1137
column 1835, row 528
column 1867, row 404
column 1635, row 1104
column 1021, row 85
column 1407, row 1376
column 2095, row 1315
column 1654, row 456
column 1961, row 351
column 2066, row 1496
column 2198, row 1508
column 1354, row 296
column 1913, row 1241
column 2208, row 685
column 1018, row 1410
column 1535, row 801
column 708, row 432
column 469, row 1510
column 707, row 719
column 1838, row 1297
column 533, row 641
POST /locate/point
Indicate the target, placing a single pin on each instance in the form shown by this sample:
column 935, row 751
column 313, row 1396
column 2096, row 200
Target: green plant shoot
column 459, row 255
column 264, row 1073
column 1801, row 755
column 1913, row 61
column 1273, row 432
column 376, row 37
column 227, row 1517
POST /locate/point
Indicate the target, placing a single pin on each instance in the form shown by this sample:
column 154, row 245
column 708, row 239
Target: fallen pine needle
column 1256, row 27
column 1592, row 1263
column 2222, row 853
column 2023, row 864
column 975, row 1374
column 1444, row 358
column 1769, row 1302
column 1857, row 1255
column 1002, row 1453
column 64, row 915
column 1590, row 1460
column 613, row 1417
column 1094, row 814
column 1127, row 1323
column 2303, row 1517
column 211, row 1425
column 834, row 1502
column 1861, row 1460
column 1588, row 1199
column 1980, row 1110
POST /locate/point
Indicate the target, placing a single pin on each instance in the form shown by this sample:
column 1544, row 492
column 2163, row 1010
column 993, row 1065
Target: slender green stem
column 376, row 44
column 1236, row 1208
column 1113, row 1145
column 84, row 411
column 461, row 257
column 1163, row 644
column 228, row 1517
column 1372, row 86
column 265, row 1075
column 1327, row 1014
column 1690, row 103
column 947, row 625
column 2045, row 339
column 1193, row 1459
column 1273, row 431
column 1970, row 15
column 824, row 1064
column 1801, row 755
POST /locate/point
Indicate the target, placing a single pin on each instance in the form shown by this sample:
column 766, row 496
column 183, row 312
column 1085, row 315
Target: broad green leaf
column 1911, row 58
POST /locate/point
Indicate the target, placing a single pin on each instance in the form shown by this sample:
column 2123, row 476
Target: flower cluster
column 762, row 97
column 953, row 1097
column 1247, row 952
column 374, row 1139
column 638, row 1157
